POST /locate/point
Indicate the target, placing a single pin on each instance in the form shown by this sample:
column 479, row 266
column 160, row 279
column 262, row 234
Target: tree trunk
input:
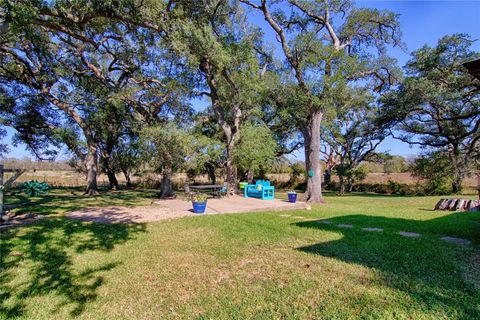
column 127, row 178
column 350, row 184
column 330, row 165
column 459, row 165
column 91, row 164
column 231, row 130
column 478, row 185
column 166, row 189
column 211, row 173
column 250, row 175
column 109, row 171
column 341, row 184
column 327, row 177
column 457, row 183
column 231, row 171
column 112, row 179
column 91, row 160
column 458, row 176
column 311, row 135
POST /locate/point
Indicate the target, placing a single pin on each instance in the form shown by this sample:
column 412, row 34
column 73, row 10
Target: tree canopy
column 118, row 84
column 326, row 46
column 437, row 106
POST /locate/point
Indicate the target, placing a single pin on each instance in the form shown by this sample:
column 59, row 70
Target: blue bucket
column 199, row 207
column 292, row 197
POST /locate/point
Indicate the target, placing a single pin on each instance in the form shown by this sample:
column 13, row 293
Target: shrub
column 391, row 187
column 395, row 164
column 34, row 188
column 437, row 187
column 436, row 170
column 360, row 173
column 331, row 186
column 398, row 188
column 192, row 173
column 297, row 170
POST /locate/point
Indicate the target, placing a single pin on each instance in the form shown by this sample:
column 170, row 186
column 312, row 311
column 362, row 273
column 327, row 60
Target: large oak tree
column 326, row 44
column 220, row 46
column 437, row 107
column 353, row 136
column 58, row 50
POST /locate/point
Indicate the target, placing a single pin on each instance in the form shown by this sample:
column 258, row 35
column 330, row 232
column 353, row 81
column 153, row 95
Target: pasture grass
column 243, row 266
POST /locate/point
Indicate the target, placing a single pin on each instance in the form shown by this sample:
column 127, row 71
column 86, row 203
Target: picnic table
column 213, row 188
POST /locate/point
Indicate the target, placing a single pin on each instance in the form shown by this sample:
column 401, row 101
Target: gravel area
column 175, row 208
column 126, row 214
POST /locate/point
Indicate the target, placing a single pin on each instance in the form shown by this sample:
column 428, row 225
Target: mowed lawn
column 243, row 266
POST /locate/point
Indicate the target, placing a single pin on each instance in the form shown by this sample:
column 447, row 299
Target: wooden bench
column 261, row 189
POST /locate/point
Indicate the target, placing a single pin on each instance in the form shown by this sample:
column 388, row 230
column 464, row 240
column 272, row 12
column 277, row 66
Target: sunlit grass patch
column 242, row 266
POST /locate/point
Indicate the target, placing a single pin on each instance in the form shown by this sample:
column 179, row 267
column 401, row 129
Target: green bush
column 331, row 186
column 437, row 187
column 435, row 170
column 297, row 171
column 395, row 164
column 34, row 188
column 391, row 187
column 360, row 173
column 400, row 188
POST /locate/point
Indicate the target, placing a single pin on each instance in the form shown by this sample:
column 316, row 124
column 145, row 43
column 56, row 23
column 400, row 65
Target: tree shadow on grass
column 431, row 272
column 366, row 194
column 458, row 224
column 38, row 261
column 63, row 200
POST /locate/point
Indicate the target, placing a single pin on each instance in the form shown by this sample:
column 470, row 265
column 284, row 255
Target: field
column 243, row 266
column 68, row 178
column 60, row 178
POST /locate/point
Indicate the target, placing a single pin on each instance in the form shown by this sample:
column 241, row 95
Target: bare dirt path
column 175, row 208
column 126, row 214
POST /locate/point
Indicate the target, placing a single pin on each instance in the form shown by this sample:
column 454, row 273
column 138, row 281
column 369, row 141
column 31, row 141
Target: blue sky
column 422, row 22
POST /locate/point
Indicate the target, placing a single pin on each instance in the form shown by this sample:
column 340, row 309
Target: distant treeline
column 27, row 163
column 390, row 164
column 396, row 164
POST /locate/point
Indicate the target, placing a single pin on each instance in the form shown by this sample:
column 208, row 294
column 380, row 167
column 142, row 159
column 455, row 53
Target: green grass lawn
column 243, row 266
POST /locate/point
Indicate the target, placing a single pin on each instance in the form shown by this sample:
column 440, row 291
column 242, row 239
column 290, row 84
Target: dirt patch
column 125, row 214
column 175, row 208
column 8, row 219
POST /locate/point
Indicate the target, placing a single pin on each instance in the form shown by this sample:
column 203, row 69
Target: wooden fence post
column 1, row 189
column 478, row 185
